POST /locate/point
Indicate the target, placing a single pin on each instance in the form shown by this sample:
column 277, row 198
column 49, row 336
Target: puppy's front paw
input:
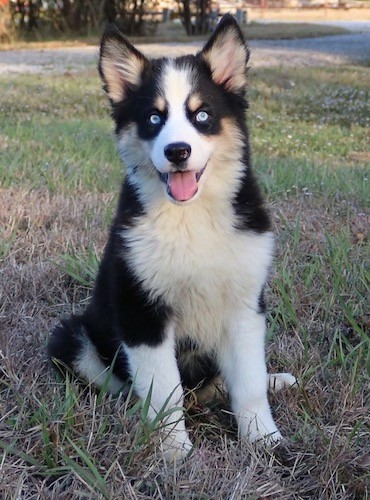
column 259, row 427
column 176, row 446
column 266, row 438
column 278, row 381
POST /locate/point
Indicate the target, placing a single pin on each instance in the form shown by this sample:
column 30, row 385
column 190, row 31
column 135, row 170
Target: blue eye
column 202, row 116
column 155, row 119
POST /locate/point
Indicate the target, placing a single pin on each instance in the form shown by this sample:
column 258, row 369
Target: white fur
column 92, row 369
column 154, row 369
column 278, row 381
column 242, row 359
column 177, row 88
column 203, row 270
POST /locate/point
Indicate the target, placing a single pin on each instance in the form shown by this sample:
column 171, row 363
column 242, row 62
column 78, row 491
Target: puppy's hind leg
column 70, row 347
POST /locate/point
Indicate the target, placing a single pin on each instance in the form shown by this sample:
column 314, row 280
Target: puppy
column 178, row 299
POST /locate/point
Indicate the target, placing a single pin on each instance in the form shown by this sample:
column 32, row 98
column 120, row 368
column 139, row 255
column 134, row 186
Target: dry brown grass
column 42, row 225
column 328, row 457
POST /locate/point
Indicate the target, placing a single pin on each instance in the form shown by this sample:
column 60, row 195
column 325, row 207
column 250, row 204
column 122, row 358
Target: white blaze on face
column 176, row 86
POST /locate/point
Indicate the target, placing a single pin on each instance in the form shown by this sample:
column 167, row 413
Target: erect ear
column 120, row 64
column 227, row 55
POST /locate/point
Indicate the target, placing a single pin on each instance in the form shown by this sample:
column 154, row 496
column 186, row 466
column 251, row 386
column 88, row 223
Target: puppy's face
column 169, row 113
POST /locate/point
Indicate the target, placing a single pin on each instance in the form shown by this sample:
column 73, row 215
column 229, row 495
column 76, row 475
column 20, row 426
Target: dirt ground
column 308, row 15
column 342, row 49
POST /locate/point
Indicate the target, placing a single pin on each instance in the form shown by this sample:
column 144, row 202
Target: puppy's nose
column 177, row 152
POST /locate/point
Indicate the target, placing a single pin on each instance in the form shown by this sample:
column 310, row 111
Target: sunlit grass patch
column 310, row 131
column 334, row 95
column 57, row 134
column 286, row 177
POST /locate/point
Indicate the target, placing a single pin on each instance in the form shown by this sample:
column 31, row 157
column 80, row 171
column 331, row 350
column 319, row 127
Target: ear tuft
column 227, row 55
column 120, row 64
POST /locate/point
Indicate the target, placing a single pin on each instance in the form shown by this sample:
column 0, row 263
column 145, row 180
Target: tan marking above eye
column 160, row 104
column 194, row 102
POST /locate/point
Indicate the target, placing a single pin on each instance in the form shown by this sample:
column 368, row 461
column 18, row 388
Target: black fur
column 262, row 307
column 196, row 368
column 66, row 342
column 248, row 203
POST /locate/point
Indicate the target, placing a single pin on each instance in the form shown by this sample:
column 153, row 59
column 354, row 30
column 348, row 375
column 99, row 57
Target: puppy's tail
column 71, row 349
column 66, row 343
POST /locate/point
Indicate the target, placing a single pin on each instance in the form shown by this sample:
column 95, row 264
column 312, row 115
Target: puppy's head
column 170, row 113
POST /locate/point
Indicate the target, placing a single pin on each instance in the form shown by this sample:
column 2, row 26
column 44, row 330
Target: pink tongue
column 182, row 185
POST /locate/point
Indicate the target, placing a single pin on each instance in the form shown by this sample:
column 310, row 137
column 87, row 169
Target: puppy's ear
column 227, row 55
column 120, row 64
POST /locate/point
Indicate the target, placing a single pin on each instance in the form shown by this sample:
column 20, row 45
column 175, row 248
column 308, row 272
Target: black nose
column 177, row 152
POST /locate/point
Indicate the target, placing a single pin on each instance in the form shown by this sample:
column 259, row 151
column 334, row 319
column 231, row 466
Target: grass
column 289, row 31
column 59, row 174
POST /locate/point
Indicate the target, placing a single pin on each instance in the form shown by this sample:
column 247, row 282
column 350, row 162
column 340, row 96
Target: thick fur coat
column 178, row 298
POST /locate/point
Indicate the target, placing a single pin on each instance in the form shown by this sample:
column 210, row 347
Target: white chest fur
column 202, row 266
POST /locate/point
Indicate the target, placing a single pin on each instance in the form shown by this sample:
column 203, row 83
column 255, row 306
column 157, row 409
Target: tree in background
column 25, row 12
column 85, row 17
column 195, row 16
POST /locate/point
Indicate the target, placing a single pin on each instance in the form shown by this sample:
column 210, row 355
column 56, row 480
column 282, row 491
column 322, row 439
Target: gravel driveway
column 330, row 50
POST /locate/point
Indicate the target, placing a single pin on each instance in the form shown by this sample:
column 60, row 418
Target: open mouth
column 182, row 186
